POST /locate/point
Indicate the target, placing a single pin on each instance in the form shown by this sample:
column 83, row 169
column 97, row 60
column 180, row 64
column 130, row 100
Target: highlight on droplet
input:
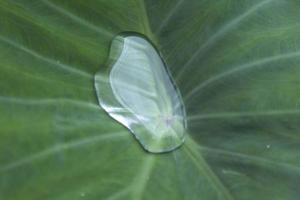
column 137, row 90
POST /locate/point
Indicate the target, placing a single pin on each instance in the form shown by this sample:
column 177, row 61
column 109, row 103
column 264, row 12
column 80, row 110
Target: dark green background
column 236, row 63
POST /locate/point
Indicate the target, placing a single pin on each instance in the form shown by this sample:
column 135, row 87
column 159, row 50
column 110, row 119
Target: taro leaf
column 236, row 63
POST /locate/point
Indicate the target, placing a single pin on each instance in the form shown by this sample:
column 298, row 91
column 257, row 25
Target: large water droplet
column 137, row 90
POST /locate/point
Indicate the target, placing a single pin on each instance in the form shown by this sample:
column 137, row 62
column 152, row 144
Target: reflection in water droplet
column 82, row 194
column 138, row 91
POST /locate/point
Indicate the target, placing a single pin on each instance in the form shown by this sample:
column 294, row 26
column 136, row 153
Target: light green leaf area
column 236, row 63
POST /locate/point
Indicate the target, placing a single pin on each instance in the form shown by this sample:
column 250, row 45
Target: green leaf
column 237, row 65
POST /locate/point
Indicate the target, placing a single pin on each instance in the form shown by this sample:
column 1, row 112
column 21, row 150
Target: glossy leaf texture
column 237, row 66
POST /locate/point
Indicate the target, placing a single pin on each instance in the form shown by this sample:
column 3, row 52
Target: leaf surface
column 237, row 67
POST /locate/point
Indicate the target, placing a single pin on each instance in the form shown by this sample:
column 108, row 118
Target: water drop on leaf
column 137, row 90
